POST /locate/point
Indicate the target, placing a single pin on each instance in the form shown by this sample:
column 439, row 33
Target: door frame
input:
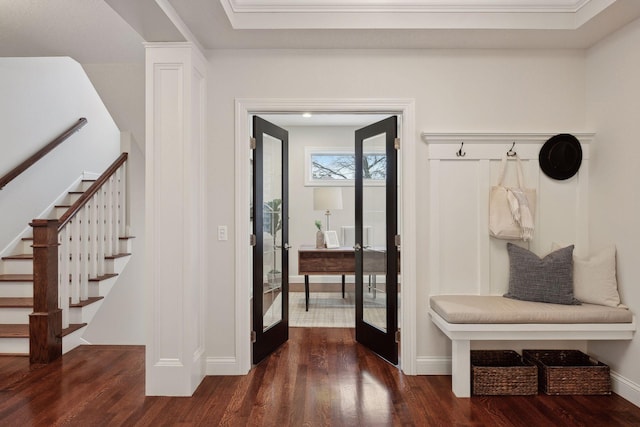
column 403, row 107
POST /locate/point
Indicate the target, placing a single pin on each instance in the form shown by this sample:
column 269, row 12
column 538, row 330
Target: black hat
column 561, row 156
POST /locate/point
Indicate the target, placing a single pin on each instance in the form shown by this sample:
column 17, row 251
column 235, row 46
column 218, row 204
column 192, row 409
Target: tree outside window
column 340, row 168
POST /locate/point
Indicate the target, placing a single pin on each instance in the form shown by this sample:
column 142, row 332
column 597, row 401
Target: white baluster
column 84, row 252
column 63, row 289
column 93, row 239
column 101, row 232
column 116, row 213
column 74, row 259
column 109, row 212
column 123, row 201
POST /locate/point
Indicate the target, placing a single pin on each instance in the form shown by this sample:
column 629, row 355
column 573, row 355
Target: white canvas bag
column 511, row 209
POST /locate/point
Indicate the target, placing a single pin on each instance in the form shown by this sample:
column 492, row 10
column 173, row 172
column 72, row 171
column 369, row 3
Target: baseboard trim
column 625, row 388
column 223, row 366
column 432, row 365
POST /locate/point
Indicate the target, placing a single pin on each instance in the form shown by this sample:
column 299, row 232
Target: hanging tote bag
column 511, row 209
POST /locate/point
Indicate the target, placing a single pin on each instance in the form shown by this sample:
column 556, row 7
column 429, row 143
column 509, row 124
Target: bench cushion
column 497, row 309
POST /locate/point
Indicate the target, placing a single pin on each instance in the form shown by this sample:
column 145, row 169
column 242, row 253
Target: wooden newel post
column 45, row 323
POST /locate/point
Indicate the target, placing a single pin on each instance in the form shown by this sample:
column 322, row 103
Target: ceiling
column 104, row 31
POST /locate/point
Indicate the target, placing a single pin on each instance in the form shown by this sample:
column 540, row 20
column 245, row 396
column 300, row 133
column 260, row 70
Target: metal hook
column 460, row 153
column 512, row 153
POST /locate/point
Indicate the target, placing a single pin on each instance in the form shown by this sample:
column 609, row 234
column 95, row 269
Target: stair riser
column 84, row 314
column 16, row 289
column 26, row 247
column 14, row 345
column 72, row 198
column 116, row 265
column 74, row 339
column 101, row 288
column 126, row 246
column 84, row 185
column 15, row 315
column 25, row 266
column 17, row 266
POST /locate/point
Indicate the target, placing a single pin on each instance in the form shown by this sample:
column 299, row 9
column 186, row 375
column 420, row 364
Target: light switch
column 222, row 232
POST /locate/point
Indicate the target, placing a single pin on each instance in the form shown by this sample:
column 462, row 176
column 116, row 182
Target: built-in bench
column 466, row 318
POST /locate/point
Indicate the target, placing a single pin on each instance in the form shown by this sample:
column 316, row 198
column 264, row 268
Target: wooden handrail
column 87, row 195
column 41, row 153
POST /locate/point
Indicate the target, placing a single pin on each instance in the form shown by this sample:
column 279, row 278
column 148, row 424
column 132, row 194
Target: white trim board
column 493, row 146
column 405, row 108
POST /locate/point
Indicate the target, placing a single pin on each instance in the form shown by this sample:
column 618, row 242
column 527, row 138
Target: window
column 333, row 167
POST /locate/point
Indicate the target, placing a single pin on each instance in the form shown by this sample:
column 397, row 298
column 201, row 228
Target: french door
column 270, row 238
column 377, row 262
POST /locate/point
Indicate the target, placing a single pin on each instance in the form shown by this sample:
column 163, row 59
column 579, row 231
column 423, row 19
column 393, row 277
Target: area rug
column 330, row 310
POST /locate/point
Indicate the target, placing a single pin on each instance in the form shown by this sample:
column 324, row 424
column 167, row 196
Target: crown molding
column 412, row 14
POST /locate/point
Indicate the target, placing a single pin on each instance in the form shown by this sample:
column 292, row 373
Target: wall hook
column 461, row 153
column 512, row 153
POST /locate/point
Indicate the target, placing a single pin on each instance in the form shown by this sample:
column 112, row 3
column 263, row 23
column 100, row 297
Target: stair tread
column 86, row 302
column 29, row 277
column 16, row 277
column 76, row 192
column 103, row 277
column 22, row 330
column 30, row 239
column 18, row 256
column 122, row 255
column 72, row 328
column 16, row 302
column 27, row 302
column 14, row 331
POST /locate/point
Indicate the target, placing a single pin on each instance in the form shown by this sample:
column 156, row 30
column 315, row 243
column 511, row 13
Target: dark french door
column 270, row 238
column 377, row 261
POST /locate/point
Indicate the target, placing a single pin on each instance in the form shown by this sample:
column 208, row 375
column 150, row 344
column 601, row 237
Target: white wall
column 42, row 97
column 121, row 88
column 455, row 90
column 613, row 105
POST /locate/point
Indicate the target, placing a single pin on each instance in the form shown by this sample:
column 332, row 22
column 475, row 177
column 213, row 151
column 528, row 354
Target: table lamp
column 327, row 198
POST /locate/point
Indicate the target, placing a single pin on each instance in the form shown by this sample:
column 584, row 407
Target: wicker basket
column 569, row 372
column 502, row 372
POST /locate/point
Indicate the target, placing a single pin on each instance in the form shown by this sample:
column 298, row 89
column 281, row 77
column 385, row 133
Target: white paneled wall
column 463, row 259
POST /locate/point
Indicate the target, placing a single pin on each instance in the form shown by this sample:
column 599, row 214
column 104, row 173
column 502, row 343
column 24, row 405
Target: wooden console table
column 312, row 261
column 339, row 261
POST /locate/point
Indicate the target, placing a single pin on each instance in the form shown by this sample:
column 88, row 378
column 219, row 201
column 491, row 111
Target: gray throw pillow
column 549, row 279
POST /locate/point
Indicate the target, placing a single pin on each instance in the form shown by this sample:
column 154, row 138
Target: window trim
column 309, row 181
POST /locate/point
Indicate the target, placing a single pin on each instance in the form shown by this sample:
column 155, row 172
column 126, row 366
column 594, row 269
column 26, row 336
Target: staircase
column 90, row 273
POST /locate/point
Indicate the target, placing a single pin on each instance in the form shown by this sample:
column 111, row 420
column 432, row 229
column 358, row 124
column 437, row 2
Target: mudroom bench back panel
column 463, row 259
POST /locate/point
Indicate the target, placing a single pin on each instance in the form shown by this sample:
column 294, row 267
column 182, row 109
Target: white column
column 175, row 212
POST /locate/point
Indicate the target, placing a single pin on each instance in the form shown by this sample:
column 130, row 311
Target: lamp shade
column 327, row 198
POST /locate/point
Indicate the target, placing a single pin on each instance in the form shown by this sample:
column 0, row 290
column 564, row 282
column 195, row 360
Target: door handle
column 357, row 247
column 287, row 246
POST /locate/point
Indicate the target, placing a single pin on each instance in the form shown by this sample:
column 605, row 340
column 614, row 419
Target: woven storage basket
column 502, row 372
column 569, row 372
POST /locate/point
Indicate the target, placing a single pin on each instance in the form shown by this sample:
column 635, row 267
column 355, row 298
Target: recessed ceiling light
column 306, row 115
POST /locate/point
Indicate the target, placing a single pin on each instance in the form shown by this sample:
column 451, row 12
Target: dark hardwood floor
column 319, row 378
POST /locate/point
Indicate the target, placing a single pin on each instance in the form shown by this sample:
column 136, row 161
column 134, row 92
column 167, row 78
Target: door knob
column 357, row 247
column 287, row 246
